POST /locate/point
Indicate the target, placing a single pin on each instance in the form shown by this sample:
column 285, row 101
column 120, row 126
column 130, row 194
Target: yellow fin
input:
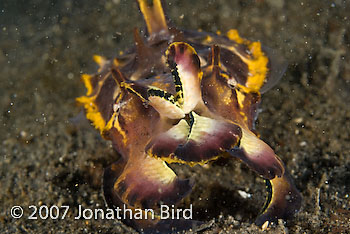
column 86, row 78
column 233, row 35
column 257, row 63
column 100, row 60
column 92, row 112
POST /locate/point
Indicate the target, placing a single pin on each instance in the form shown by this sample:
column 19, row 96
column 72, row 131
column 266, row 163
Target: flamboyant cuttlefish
column 180, row 96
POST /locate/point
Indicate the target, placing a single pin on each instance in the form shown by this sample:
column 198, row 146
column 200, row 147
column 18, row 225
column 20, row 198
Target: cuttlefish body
column 184, row 97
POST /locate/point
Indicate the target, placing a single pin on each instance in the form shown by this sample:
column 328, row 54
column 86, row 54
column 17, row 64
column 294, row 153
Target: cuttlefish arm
column 138, row 185
column 258, row 156
column 146, row 182
column 229, row 100
column 184, row 65
column 283, row 201
column 224, row 100
column 183, row 62
column 195, row 141
column 137, row 181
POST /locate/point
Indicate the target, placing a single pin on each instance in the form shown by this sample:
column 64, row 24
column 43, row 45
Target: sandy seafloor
column 45, row 160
